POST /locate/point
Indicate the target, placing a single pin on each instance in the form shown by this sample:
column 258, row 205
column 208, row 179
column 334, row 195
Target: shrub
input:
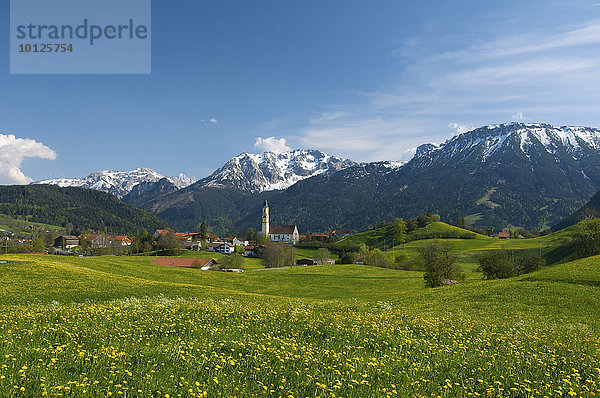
column 497, row 264
column 587, row 237
column 439, row 263
column 378, row 258
column 532, row 263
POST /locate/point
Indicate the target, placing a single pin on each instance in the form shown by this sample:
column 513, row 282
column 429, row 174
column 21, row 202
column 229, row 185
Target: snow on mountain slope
column 273, row 171
column 485, row 143
column 118, row 183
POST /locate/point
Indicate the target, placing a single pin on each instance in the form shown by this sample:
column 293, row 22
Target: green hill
column 383, row 236
column 84, row 208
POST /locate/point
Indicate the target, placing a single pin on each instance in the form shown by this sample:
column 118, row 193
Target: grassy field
column 119, row 326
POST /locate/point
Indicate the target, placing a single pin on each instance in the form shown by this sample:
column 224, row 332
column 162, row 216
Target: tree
column 439, row 263
column 323, row 255
column 587, row 237
column 378, row 258
column 531, row 264
column 251, row 235
column 273, row 255
column 203, row 230
column 37, row 245
column 497, row 264
column 168, row 242
column 231, row 261
column 348, row 258
column 399, row 230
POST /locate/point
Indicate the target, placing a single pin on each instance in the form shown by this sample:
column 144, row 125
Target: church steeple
column 265, row 219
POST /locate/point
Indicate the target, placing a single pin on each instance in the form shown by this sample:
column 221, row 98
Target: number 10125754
column 46, row 48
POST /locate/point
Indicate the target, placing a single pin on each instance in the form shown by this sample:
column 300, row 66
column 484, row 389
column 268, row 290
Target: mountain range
column 514, row 174
column 118, row 183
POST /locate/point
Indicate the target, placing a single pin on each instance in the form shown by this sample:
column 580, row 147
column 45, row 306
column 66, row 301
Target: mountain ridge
column 118, row 183
column 521, row 174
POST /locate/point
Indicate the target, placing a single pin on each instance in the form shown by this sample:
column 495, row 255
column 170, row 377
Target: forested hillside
column 85, row 209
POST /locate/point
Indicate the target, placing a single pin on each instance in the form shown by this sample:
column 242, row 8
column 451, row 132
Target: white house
column 225, row 248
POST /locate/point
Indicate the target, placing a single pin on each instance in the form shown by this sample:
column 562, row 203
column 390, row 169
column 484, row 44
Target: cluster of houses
column 95, row 241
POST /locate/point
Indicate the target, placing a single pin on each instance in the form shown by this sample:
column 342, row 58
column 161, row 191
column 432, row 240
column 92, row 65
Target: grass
column 119, row 326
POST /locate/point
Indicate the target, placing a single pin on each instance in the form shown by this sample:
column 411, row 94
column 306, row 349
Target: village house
column 504, row 235
column 278, row 233
column 225, row 248
column 96, row 241
column 66, row 242
column 318, row 237
column 122, row 240
column 235, row 241
column 312, row 261
column 250, row 251
column 212, row 246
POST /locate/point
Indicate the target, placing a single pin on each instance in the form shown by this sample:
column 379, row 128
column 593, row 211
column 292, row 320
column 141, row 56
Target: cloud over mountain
column 271, row 144
column 13, row 151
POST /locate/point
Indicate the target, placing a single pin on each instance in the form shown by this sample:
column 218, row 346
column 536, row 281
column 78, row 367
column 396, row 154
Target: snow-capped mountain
column 530, row 175
column 273, row 171
column 118, row 183
column 528, row 141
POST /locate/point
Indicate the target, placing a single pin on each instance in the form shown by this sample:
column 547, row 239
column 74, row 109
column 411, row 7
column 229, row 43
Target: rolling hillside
column 121, row 324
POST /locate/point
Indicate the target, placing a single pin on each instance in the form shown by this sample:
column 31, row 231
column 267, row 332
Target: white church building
column 278, row 233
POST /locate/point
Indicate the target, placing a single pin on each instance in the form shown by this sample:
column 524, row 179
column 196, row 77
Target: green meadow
column 119, row 326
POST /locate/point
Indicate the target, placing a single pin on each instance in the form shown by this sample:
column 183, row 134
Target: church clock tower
column 265, row 220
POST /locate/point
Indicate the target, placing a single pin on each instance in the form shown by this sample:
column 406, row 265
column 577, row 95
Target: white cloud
column 583, row 35
column 12, row 152
column 366, row 140
column 271, row 144
column 518, row 116
column 460, row 128
column 213, row 120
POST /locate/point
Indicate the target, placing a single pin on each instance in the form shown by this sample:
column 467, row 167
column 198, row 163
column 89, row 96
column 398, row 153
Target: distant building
column 504, row 235
column 160, row 232
column 341, row 233
column 278, row 233
column 318, row 237
column 97, row 241
column 312, row 261
column 66, row 242
column 249, row 251
column 225, row 248
column 122, row 240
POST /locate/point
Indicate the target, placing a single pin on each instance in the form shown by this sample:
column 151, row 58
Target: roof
column 182, row 262
column 161, row 231
column 118, row 237
column 504, row 234
column 282, row 229
column 320, row 235
column 69, row 237
column 249, row 247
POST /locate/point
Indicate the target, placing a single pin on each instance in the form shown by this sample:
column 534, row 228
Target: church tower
column 265, row 220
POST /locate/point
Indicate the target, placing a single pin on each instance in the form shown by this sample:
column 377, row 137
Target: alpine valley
column 515, row 174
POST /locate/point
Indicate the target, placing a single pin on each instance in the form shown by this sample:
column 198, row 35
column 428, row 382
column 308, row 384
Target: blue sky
column 364, row 80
